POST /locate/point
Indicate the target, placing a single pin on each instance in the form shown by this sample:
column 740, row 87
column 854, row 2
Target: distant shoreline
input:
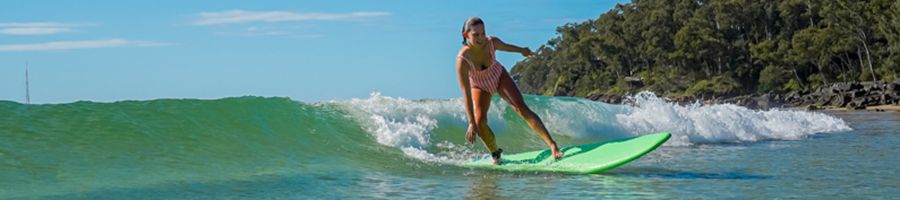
column 879, row 108
column 844, row 96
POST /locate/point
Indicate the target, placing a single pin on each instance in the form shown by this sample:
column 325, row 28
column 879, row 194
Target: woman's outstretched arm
column 500, row 45
column 462, row 71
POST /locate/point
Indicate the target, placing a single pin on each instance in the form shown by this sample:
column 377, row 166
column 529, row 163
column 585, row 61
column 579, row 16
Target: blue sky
column 306, row 50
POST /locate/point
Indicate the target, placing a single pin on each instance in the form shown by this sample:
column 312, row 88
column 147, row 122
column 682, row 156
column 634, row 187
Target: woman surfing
column 481, row 76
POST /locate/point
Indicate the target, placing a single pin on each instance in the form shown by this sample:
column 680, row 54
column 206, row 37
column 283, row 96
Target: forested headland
column 719, row 49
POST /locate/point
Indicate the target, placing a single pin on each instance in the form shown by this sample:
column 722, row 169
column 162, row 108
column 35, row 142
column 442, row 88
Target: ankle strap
column 496, row 154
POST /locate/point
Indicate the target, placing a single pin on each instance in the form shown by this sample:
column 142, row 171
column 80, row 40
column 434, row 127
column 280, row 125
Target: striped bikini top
column 486, row 79
column 474, row 69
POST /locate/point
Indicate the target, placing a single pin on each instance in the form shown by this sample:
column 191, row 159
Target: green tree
column 721, row 47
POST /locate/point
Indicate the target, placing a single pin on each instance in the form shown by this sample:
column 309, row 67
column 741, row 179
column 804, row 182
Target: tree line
column 719, row 48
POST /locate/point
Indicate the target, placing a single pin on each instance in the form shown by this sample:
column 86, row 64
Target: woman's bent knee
column 525, row 112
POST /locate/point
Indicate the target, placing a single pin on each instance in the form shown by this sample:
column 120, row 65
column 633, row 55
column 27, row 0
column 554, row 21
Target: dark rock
column 856, row 86
column 826, row 99
column 821, row 90
column 811, row 107
column 607, row 98
column 858, row 93
column 593, row 97
column 791, row 97
column 854, row 103
column 744, row 101
column 874, row 87
column 841, row 87
column 766, row 101
column 809, row 99
column 615, row 100
column 862, row 102
column 560, row 92
column 848, row 86
column 893, row 87
column 854, row 106
column 684, row 100
column 885, row 99
column 838, row 100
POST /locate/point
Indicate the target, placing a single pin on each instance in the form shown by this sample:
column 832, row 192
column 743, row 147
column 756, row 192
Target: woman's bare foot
column 557, row 154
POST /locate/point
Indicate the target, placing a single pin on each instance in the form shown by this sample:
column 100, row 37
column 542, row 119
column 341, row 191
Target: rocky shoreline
column 871, row 96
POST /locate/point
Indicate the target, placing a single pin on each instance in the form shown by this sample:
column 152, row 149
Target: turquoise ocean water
column 384, row 147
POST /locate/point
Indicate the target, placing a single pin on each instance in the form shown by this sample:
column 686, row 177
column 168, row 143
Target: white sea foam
column 409, row 124
column 723, row 123
column 406, row 124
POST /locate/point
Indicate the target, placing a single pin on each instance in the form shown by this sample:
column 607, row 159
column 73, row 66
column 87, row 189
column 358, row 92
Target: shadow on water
column 485, row 187
column 654, row 172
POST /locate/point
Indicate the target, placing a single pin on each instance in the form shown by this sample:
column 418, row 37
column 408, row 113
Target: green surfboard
column 579, row 159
